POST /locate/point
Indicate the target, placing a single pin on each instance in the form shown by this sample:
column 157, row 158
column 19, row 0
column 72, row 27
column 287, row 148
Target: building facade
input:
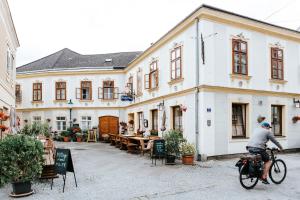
column 211, row 77
column 8, row 47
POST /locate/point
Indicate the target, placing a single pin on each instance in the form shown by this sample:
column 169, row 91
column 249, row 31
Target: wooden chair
column 146, row 147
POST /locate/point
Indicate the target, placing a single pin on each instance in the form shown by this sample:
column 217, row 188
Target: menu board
column 159, row 147
column 63, row 161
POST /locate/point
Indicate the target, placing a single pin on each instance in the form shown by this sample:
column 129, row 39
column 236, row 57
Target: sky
column 106, row 26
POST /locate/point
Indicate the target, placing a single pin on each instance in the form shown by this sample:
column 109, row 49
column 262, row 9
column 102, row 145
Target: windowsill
column 239, row 139
column 60, row 101
column 174, row 81
column 38, row 102
column 240, row 76
column 108, row 100
column 153, row 89
column 277, row 81
column 81, row 100
column 281, row 137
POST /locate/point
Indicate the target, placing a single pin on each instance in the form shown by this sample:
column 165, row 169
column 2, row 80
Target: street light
column 70, row 104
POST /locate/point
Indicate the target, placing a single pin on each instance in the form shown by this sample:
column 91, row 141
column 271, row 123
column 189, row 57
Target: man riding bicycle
column 257, row 145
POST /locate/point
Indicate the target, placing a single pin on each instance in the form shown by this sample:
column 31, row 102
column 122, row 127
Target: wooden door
column 108, row 124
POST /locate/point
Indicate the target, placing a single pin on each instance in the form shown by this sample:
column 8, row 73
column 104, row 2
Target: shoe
column 265, row 181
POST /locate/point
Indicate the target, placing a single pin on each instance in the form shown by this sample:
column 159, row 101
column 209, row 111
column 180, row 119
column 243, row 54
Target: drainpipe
column 197, row 90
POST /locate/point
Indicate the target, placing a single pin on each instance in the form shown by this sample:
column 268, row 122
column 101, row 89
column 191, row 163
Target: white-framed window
column 9, row 61
column 86, row 122
column 37, row 119
column 61, row 123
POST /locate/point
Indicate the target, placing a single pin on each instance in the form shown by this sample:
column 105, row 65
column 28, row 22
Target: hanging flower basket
column 295, row 119
column 183, row 108
column 3, row 116
column 3, row 127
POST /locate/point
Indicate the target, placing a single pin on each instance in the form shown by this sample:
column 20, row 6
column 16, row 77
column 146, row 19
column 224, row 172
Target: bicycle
column 251, row 169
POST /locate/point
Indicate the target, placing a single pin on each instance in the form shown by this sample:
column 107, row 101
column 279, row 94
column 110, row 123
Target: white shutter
column 116, row 93
column 78, row 93
column 100, row 93
column 147, row 81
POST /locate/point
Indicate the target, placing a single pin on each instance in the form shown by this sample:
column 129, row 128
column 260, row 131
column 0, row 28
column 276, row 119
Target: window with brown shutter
column 154, row 118
column 18, row 94
column 239, row 57
column 151, row 79
column 108, row 90
column 60, row 91
column 277, row 63
column 86, row 90
column 176, row 63
column 239, row 119
column 276, row 120
column 37, row 92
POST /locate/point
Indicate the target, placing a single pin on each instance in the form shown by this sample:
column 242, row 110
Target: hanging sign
column 126, row 98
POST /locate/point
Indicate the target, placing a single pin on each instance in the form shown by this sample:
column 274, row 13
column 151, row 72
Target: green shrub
column 65, row 133
column 21, row 159
column 173, row 139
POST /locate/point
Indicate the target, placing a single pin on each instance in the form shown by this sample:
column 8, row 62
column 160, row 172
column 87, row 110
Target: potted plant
column 173, row 139
column 187, row 151
column 65, row 135
column 79, row 136
column 3, row 127
column 21, row 162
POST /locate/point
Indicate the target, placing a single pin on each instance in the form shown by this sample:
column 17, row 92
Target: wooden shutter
column 100, row 93
column 157, row 77
column 116, row 93
column 147, row 81
column 78, row 93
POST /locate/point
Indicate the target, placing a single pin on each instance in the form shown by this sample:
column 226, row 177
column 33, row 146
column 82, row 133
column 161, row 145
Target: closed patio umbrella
column 163, row 122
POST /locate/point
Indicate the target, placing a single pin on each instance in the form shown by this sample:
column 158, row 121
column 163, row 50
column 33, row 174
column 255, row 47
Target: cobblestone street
column 104, row 172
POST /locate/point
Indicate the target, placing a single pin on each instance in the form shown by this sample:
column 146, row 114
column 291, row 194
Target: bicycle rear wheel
column 277, row 171
column 246, row 181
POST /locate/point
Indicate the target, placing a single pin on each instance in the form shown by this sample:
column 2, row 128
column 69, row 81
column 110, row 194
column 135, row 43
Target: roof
column 193, row 15
column 68, row 59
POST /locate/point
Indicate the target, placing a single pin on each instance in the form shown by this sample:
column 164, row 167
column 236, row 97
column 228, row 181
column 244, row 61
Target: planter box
column 170, row 160
column 21, row 187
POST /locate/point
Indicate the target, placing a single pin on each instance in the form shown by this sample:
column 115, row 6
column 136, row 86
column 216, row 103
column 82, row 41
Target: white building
column 8, row 47
column 225, row 69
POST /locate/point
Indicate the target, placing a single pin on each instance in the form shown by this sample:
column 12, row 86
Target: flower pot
column 66, row 139
column 170, row 160
column 79, row 139
column 188, row 159
column 21, row 187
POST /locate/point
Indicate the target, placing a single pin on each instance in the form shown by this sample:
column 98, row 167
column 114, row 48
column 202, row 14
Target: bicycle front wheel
column 277, row 171
column 246, row 180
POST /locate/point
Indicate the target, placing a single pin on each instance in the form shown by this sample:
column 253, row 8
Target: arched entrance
column 108, row 124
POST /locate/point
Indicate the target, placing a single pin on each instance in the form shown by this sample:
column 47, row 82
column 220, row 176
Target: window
column 276, row 122
column 108, row 89
column 130, row 84
column 9, row 62
column 141, row 120
column 37, row 119
column 37, row 92
column 61, row 123
column 151, row 79
column 85, row 91
column 277, row 63
column 86, row 122
column 154, row 117
column 139, row 82
column 177, row 118
column 239, row 57
column 239, row 120
column 176, row 63
column 60, row 91
column 18, row 94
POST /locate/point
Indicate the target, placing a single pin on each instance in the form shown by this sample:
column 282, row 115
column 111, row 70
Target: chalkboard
column 63, row 161
column 159, row 148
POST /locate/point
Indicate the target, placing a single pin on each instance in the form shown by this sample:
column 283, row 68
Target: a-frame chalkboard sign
column 159, row 150
column 63, row 164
